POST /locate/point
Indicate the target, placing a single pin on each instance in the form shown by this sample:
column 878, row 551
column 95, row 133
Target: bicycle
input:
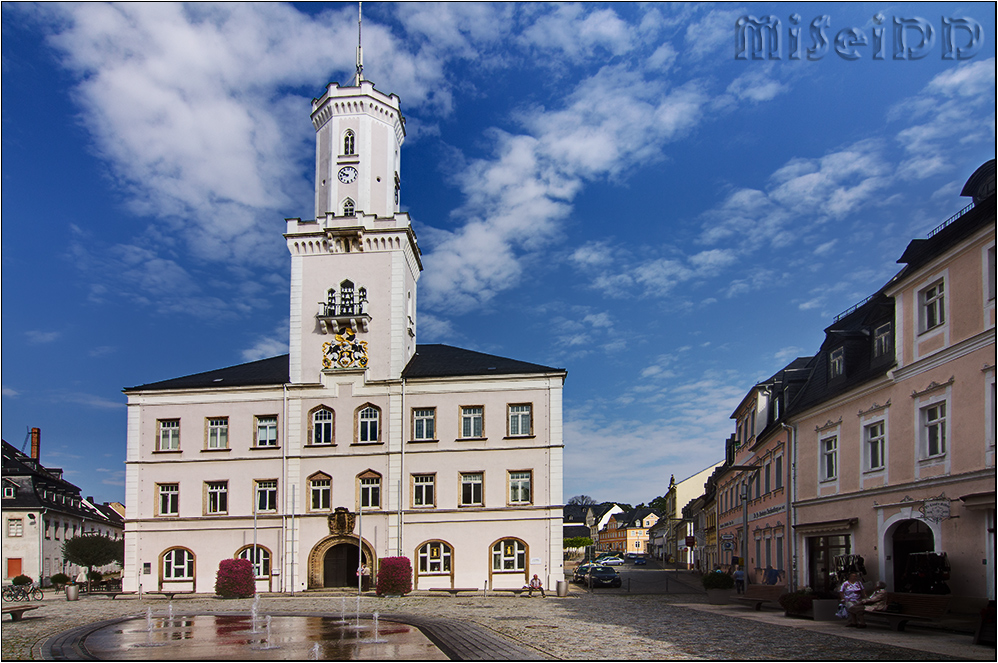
column 22, row 593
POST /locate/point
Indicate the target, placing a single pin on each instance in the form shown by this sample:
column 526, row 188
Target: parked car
column 602, row 576
column 611, row 561
column 631, row 555
column 640, row 561
column 580, row 572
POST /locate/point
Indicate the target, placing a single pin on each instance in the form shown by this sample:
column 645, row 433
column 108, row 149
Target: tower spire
column 360, row 52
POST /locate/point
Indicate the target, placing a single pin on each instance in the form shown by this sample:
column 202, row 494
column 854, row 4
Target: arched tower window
column 349, row 209
column 348, row 142
column 346, row 298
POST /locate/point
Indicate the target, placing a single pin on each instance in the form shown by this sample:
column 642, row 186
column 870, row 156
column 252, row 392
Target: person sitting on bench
column 535, row 583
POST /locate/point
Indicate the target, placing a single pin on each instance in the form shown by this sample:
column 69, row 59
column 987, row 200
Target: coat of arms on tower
column 341, row 521
column 345, row 351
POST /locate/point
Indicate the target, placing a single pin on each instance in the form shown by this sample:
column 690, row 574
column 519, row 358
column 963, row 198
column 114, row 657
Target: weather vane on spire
column 360, row 52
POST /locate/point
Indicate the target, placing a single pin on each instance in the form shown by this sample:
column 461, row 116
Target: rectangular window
column 370, row 493
column 320, row 489
column 766, row 476
column 874, row 434
column 882, row 340
column 758, row 553
column 15, row 527
column 932, row 306
column 992, row 274
column 836, row 363
column 519, row 420
column 471, row 421
column 218, row 433
column 266, row 495
column 778, row 471
column 829, row 458
column 423, row 421
column 218, row 497
column 9, row 492
column 769, row 553
column 471, row 489
column 934, row 429
column 169, row 499
column 169, row 435
column 779, row 552
column 519, row 487
column 266, row 431
column 422, row 489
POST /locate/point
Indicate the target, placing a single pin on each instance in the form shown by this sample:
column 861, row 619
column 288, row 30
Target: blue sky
column 603, row 188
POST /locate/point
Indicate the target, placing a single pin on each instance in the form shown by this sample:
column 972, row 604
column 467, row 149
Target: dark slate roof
column 569, row 531
column 272, row 371
column 575, row 513
column 41, row 487
column 430, row 361
column 437, row 361
column 636, row 517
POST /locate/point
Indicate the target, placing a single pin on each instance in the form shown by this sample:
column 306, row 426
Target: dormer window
column 9, row 492
column 882, row 340
column 348, row 142
column 349, row 208
column 836, row 363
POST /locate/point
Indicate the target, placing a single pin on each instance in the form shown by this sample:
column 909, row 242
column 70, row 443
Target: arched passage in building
column 334, row 560
column 909, row 538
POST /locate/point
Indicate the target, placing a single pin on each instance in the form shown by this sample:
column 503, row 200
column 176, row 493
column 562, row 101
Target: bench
column 517, row 591
column 454, row 591
column 168, row 594
column 914, row 607
column 17, row 611
column 757, row 595
column 108, row 592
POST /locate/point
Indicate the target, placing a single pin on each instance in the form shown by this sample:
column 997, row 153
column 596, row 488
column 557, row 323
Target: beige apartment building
column 358, row 444
column 895, row 433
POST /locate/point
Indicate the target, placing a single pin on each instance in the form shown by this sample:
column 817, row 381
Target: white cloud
column 36, row 337
column 271, row 345
column 712, row 33
column 8, row 392
column 90, row 400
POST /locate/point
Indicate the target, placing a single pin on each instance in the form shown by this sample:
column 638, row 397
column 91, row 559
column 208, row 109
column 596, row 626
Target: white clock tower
column 354, row 268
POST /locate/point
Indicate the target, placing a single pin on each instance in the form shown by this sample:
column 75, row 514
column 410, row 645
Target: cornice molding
column 952, row 353
column 934, row 386
column 875, row 407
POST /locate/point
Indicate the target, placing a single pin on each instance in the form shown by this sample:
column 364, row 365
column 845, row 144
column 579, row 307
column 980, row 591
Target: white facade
column 358, row 437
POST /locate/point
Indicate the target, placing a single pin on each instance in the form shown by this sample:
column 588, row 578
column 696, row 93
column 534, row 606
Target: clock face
column 347, row 174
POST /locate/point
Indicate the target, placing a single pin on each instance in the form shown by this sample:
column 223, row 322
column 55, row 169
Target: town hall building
column 359, row 444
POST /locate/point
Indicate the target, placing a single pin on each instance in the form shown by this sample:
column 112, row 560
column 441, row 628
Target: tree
column 89, row 550
column 659, row 504
column 577, row 542
column 581, row 500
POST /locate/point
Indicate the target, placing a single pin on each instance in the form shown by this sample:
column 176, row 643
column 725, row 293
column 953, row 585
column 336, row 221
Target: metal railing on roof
column 852, row 308
column 949, row 220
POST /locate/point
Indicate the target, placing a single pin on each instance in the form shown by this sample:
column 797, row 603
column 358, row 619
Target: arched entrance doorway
column 339, row 566
column 909, row 538
column 333, row 562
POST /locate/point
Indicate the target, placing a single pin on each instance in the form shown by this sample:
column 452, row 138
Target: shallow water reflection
column 235, row 637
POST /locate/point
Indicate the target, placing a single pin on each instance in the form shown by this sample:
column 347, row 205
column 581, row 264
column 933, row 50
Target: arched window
column 178, row 564
column 434, row 557
column 322, row 426
column 509, row 555
column 348, row 142
column 261, row 565
column 367, row 425
column 348, row 207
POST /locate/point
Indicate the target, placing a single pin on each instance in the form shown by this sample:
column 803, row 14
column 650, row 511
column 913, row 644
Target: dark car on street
column 602, row 576
column 640, row 561
column 580, row 572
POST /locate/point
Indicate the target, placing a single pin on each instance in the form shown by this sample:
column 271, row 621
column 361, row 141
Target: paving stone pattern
column 598, row 625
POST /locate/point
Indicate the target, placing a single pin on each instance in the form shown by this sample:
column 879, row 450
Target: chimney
column 36, row 442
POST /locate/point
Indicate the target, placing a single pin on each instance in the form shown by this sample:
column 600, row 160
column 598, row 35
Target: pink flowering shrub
column 235, row 578
column 394, row 576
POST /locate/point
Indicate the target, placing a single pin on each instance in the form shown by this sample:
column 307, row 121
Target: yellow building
column 628, row 532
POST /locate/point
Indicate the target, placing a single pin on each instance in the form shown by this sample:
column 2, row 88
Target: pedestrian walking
column 739, row 577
